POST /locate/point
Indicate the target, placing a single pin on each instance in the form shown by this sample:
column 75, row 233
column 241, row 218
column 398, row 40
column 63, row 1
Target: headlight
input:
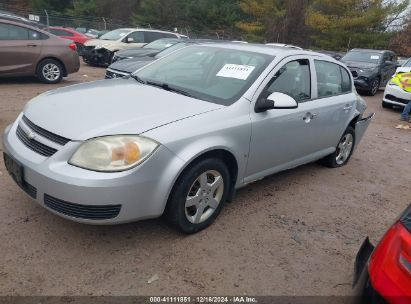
column 113, row 153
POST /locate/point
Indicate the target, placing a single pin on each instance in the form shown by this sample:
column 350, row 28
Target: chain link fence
column 101, row 23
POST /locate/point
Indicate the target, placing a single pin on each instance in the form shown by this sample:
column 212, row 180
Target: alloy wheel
column 204, row 196
column 51, row 72
column 344, row 149
column 375, row 87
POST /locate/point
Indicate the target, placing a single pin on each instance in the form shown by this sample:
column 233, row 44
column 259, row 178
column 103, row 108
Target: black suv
column 371, row 69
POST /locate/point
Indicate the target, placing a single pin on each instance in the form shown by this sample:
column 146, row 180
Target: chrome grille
column 51, row 136
column 33, row 144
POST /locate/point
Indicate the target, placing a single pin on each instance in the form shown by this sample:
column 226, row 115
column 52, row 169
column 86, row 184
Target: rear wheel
column 198, row 195
column 50, row 71
column 343, row 151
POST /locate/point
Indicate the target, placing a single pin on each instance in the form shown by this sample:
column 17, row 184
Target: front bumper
column 94, row 56
column 395, row 96
column 363, row 84
column 75, row 193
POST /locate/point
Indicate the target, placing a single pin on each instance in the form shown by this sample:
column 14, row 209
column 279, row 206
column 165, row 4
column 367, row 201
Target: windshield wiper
column 167, row 87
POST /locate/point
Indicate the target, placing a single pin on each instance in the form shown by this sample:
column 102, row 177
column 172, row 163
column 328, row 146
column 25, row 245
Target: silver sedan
column 181, row 134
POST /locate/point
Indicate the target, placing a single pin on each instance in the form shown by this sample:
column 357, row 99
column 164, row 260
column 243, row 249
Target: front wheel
column 343, row 151
column 375, row 86
column 199, row 195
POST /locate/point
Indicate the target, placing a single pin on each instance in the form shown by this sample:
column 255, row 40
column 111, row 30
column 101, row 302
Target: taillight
column 390, row 265
column 73, row 46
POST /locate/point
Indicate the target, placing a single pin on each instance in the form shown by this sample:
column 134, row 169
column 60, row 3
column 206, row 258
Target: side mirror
column 388, row 62
column 130, row 40
column 275, row 101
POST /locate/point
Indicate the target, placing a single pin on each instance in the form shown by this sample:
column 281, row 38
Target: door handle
column 32, row 45
column 347, row 107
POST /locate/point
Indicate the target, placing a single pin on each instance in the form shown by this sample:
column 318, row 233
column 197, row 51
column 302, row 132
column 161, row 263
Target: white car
column 394, row 95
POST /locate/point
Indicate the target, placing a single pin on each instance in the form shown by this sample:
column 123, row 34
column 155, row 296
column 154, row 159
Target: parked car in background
column 383, row 273
column 125, row 67
column 393, row 94
column 149, row 50
column 29, row 51
column 180, row 135
column 70, row 34
column 371, row 69
column 101, row 51
column 335, row 55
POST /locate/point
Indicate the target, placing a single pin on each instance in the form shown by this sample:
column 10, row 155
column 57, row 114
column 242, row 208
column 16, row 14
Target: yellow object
column 130, row 153
column 403, row 80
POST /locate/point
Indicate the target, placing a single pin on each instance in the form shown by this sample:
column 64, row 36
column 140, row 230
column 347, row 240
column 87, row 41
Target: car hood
column 131, row 65
column 99, row 42
column 110, row 107
column 403, row 70
column 360, row 65
column 137, row 52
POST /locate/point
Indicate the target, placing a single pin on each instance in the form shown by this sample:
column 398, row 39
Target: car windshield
column 114, row 35
column 161, row 44
column 171, row 49
column 368, row 57
column 218, row 75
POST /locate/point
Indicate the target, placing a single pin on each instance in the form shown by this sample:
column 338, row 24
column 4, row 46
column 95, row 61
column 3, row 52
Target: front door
column 280, row 137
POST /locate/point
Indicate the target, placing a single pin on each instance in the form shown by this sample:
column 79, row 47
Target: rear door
column 335, row 102
column 20, row 49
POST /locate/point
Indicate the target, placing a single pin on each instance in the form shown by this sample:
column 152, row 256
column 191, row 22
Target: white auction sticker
column 375, row 57
column 236, row 71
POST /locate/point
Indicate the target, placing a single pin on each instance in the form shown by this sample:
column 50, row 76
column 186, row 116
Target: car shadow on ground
column 158, row 230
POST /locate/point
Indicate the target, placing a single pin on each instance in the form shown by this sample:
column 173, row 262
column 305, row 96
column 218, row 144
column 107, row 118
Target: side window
column 138, row 37
column 346, row 81
column 331, row 79
column 153, row 36
column 67, row 34
column 12, row 32
column 293, row 79
column 34, row 35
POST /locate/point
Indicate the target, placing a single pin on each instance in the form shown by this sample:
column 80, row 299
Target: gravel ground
column 294, row 233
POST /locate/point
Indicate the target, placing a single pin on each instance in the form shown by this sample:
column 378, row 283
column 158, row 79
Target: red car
column 383, row 273
column 70, row 34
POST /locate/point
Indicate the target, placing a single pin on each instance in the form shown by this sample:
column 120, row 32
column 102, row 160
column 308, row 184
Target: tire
column 339, row 158
column 50, row 71
column 198, row 195
column 375, row 86
column 386, row 105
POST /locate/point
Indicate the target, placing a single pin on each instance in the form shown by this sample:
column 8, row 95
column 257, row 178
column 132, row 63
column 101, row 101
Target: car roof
column 145, row 30
column 6, row 16
column 370, row 50
column 263, row 49
column 23, row 24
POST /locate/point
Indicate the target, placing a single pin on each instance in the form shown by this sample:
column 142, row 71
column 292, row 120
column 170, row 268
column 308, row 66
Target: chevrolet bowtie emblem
column 31, row 135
